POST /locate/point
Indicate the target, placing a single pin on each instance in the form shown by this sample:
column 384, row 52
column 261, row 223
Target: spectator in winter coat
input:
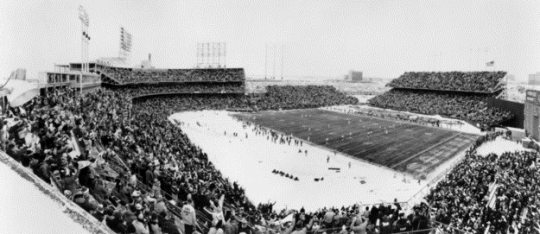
column 167, row 224
column 189, row 218
column 385, row 225
column 154, row 224
column 140, row 225
column 359, row 225
column 328, row 218
column 115, row 222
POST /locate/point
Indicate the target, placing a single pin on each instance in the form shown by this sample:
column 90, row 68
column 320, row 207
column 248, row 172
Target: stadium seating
column 133, row 161
column 461, row 95
column 498, row 193
column 130, row 75
column 469, row 107
column 122, row 162
column 187, row 88
column 476, row 82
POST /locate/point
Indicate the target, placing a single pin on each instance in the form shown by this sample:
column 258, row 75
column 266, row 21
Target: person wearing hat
column 154, row 224
column 99, row 214
column 140, row 225
column 385, row 225
column 244, row 227
column 81, row 200
column 136, row 196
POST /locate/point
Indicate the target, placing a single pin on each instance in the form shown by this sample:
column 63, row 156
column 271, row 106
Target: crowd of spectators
column 391, row 217
column 131, row 75
column 494, row 193
column 405, row 117
column 146, row 168
column 57, row 136
column 469, row 107
column 484, row 82
column 141, row 90
column 277, row 97
column 310, row 96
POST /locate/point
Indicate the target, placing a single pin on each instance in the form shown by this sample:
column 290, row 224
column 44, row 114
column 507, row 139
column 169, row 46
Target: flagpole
column 266, row 61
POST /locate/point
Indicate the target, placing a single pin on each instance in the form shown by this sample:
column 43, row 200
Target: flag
column 490, row 64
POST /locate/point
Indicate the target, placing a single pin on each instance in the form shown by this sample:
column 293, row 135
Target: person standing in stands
column 328, row 218
column 189, row 217
column 385, row 225
column 149, row 175
column 359, row 225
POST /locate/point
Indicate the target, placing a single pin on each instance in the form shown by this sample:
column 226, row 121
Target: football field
column 402, row 146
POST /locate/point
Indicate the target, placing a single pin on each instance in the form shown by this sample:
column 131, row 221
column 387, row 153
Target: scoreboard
column 533, row 97
column 532, row 114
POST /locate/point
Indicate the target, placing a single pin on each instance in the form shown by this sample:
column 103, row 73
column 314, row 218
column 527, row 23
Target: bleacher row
column 131, row 75
column 474, row 82
column 185, row 88
column 461, row 95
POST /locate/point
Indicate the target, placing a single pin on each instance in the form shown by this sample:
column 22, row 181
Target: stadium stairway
column 106, row 77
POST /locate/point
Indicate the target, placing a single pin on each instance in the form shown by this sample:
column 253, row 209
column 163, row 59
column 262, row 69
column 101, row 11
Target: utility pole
column 274, row 75
column 282, row 58
column 266, row 62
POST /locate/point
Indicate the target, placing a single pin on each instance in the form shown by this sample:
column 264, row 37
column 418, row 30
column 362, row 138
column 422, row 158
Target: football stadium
column 195, row 140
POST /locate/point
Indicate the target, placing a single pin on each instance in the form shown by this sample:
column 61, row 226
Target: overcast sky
column 321, row 38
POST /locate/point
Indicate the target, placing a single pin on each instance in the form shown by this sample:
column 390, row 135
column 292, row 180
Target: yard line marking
column 423, row 151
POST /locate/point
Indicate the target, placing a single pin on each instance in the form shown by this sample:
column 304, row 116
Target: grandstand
column 127, row 151
column 461, row 95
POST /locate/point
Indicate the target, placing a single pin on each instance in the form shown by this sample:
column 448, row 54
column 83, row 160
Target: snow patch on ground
column 499, row 146
column 250, row 161
column 363, row 98
column 25, row 209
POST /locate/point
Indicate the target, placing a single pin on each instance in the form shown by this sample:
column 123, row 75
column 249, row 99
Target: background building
column 534, row 79
column 355, row 76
